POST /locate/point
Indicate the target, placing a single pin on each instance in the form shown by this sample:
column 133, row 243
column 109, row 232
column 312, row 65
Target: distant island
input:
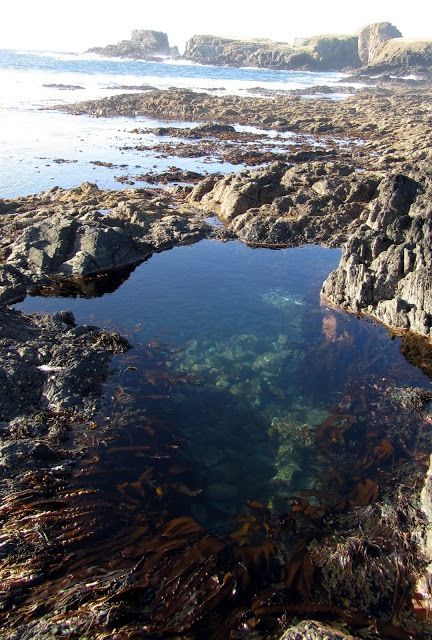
column 376, row 48
column 143, row 44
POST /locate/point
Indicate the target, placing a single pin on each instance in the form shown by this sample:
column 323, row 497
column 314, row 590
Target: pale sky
column 75, row 25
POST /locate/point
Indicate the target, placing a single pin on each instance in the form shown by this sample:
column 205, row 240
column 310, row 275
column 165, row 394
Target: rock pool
column 233, row 349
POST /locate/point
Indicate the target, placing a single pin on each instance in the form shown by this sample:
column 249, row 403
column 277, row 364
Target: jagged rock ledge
column 314, row 202
column 267, row 208
column 385, row 268
column 70, row 233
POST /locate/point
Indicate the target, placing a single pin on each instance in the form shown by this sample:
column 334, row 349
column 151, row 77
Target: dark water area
column 234, row 370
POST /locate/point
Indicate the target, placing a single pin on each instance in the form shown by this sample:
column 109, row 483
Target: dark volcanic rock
column 143, row 43
column 64, row 245
column 47, row 362
column 372, row 38
column 385, row 268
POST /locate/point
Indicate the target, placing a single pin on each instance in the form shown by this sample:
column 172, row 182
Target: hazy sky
column 78, row 24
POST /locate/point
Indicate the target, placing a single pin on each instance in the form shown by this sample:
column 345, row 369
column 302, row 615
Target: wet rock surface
column 83, row 231
column 97, row 560
column 315, row 200
column 51, row 372
column 312, row 630
column 226, row 144
column 383, row 118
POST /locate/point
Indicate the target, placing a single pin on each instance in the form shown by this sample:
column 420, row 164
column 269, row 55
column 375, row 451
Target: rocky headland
column 314, row 54
column 378, row 48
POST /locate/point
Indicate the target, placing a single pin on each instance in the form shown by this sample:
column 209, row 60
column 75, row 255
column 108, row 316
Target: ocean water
column 40, row 149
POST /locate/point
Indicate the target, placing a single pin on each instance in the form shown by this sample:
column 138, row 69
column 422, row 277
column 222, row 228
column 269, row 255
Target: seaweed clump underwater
column 108, row 548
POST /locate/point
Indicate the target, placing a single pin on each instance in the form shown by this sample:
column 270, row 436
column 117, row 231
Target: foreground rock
column 277, row 205
column 385, row 268
column 85, row 231
column 48, row 363
column 51, row 372
column 142, row 45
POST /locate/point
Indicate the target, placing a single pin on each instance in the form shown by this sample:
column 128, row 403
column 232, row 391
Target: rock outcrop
column 377, row 47
column 372, row 38
column 85, row 231
column 48, row 363
column 142, row 45
column 315, row 54
column 385, row 268
column 281, row 205
column 333, row 51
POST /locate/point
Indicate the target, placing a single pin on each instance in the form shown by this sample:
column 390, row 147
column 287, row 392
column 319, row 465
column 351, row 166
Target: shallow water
column 233, row 347
column 40, row 149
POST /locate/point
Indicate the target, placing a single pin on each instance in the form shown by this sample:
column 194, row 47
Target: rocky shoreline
column 367, row 187
column 324, row 201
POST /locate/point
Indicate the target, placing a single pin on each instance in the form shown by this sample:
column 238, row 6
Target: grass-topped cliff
column 405, row 54
column 318, row 53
